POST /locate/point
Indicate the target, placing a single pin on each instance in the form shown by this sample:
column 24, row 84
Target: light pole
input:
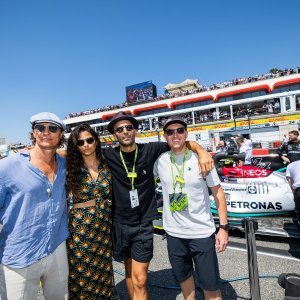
column 158, row 135
column 234, row 121
column 249, row 125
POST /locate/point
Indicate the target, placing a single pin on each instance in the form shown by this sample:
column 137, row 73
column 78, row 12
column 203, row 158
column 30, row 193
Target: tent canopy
column 185, row 85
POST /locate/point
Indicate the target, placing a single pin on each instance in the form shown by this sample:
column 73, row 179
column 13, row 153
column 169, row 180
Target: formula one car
column 259, row 191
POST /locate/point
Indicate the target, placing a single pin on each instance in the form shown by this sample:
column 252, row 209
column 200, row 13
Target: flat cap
column 47, row 117
column 120, row 116
column 173, row 120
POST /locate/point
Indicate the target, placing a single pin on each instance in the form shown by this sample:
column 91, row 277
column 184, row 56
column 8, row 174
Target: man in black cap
column 187, row 218
column 33, row 213
column 133, row 199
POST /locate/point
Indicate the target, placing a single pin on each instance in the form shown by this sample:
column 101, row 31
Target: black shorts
column 182, row 254
column 297, row 199
column 133, row 241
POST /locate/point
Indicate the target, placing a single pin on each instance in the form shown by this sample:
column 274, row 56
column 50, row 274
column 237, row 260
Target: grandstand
column 263, row 107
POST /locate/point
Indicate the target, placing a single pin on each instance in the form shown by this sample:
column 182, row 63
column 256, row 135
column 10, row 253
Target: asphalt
column 274, row 256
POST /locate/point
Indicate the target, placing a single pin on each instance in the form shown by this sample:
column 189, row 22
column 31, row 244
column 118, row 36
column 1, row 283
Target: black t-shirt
column 292, row 149
column 144, row 182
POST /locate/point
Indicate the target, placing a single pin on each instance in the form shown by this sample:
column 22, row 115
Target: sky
column 67, row 56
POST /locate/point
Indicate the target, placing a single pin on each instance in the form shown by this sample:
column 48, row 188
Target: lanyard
column 179, row 179
column 130, row 175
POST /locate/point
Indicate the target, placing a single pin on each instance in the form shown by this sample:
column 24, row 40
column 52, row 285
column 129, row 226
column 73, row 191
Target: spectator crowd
column 228, row 83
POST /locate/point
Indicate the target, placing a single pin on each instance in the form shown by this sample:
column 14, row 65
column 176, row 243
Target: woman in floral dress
column 89, row 244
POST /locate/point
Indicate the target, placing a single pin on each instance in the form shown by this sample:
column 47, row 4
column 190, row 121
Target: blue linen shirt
column 33, row 211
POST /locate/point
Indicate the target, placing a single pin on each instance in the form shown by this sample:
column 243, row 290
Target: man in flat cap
column 33, row 213
column 133, row 199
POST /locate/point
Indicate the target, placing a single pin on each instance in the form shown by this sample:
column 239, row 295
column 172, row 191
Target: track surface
column 275, row 256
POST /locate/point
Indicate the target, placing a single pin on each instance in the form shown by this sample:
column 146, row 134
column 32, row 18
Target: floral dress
column 89, row 244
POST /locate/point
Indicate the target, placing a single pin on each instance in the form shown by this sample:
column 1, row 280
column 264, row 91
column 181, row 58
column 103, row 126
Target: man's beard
column 127, row 143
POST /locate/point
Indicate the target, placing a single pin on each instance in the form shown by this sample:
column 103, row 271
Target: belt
column 84, row 204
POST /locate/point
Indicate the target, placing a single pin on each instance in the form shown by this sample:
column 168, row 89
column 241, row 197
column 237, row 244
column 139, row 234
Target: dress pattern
column 89, row 244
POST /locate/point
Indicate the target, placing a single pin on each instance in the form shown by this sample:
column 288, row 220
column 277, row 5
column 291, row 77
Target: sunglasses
column 90, row 141
column 42, row 128
column 121, row 128
column 179, row 130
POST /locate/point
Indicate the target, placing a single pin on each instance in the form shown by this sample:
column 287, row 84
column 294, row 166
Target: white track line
column 258, row 252
column 264, row 253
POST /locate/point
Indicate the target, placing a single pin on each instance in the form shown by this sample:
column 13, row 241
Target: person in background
column 247, row 142
column 89, row 190
column 34, row 216
column 134, row 206
column 222, row 147
column 270, row 108
column 290, row 148
column 187, row 218
column 244, row 147
column 285, row 139
column 277, row 107
column 293, row 177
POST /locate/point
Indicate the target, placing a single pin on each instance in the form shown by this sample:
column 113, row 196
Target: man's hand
column 285, row 159
column 221, row 240
column 222, row 235
column 205, row 160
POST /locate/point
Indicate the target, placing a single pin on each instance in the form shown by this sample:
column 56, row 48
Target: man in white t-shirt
column 293, row 177
column 187, row 218
column 245, row 146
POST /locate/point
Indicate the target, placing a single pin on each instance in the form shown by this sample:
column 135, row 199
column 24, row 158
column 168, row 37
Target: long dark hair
column 75, row 160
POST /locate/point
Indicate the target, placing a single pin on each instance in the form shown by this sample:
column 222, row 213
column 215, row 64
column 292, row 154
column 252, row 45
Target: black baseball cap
column 174, row 120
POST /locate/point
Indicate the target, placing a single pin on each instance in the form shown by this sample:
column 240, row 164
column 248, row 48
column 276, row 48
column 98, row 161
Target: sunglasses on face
column 90, row 141
column 42, row 128
column 179, row 130
column 121, row 128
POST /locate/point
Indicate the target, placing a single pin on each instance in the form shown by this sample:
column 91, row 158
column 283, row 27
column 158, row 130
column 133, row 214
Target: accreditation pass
column 134, row 198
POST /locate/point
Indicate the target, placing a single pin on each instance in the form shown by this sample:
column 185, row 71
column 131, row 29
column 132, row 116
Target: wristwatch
column 224, row 226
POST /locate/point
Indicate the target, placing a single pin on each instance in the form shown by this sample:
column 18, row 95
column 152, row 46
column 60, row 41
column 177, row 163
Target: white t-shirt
column 196, row 220
column 248, row 143
column 247, row 148
column 293, row 171
column 270, row 108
